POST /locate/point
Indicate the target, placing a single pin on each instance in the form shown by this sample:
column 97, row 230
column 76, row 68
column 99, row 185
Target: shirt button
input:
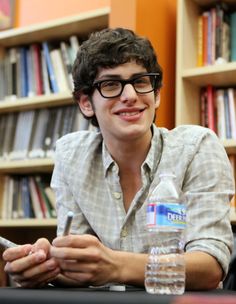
column 115, row 169
column 117, row 195
column 124, row 233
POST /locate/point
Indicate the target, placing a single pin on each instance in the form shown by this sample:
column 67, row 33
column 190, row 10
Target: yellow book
column 200, row 42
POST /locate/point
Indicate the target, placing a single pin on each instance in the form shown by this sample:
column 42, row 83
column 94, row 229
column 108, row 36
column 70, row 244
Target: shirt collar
column 153, row 157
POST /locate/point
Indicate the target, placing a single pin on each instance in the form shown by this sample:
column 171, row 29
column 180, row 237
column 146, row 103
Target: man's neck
column 129, row 155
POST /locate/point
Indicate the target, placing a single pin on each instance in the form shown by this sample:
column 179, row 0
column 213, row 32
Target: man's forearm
column 203, row 272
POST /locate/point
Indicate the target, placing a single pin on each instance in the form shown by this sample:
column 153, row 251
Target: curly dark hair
column 109, row 48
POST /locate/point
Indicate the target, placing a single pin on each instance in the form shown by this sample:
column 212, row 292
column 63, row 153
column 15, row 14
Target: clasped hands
column 75, row 260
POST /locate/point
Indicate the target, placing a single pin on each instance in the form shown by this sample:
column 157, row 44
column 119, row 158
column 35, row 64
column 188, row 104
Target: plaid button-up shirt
column 86, row 181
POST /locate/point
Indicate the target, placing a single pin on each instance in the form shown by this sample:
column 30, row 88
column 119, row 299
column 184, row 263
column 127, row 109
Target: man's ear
column 157, row 99
column 85, row 105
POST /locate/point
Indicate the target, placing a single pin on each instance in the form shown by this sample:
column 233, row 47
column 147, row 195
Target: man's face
column 128, row 116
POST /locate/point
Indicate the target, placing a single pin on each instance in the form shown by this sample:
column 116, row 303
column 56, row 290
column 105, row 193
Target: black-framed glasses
column 142, row 84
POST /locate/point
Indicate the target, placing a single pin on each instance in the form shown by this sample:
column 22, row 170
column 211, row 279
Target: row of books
column 232, row 160
column 33, row 133
column 26, row 197
column 36, row 69
column 218, row 111
column 216, row 35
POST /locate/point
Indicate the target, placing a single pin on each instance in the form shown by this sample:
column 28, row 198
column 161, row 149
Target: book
column 2, row 80
column 211, row 108
column 13, row 72
column 200, row 42
column 3, row 120
column 23, row 72
column 9, row 134
column 25, row 196
column 41, row 200
column 222, row 33
column 233, row 36
column 56, row 131
column 68, row 119
column 7, row 197
column 213, row 34
column 48, row 139
column 203, row 108
column 39, row 131
column 7, row 78
column 21, row 143
column 30, row 72
column 51, row 196
column 15, row 214
column 45, row 76
column 221, row 129
column 232, row 112
column 209, row 38
column 37, row 68
column 51, row 72
column 59, row 70
column 35, row 199
column 227, row 115
column 205, row 17
column 18, row 73
column 225, row 40
column 50, row 211
column 74, row 47
column 67, row 63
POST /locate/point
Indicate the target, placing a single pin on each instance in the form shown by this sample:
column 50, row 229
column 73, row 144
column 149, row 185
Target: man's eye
column 109, row 85
column 142, row 81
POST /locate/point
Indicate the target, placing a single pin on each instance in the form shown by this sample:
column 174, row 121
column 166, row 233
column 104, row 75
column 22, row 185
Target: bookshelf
column 57, row 30
column 190, row 78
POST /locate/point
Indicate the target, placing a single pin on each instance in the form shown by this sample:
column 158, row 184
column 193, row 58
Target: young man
column 105, row 177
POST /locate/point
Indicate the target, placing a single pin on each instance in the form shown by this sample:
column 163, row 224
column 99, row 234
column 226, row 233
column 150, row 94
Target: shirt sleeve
column 65, row 201
column 209, row 187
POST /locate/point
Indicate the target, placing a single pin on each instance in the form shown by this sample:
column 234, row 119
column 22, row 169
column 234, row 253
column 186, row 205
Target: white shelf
column 27, row 166
column 28, row 223
column 40, row 101
column 218, row 75
column 81, row 25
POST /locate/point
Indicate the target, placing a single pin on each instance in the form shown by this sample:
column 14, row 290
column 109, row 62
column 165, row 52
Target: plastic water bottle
column 166, row 222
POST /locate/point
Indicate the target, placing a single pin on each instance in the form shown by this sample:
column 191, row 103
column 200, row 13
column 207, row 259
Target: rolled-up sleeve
column 209, row 187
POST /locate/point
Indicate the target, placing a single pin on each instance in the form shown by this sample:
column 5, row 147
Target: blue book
column 233, row 36
column 24, row 72
column 25, row 196
column 53, row 82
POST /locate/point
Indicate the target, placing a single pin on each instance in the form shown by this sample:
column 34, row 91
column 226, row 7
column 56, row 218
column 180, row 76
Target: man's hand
column 31, row 265
column 85, row 260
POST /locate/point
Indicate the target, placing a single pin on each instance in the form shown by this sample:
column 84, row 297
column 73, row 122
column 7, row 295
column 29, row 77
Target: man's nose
column 128, row 93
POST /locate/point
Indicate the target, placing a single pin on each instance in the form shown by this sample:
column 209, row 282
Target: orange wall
column 35, row 11
column 155, row 19
column 160, row 27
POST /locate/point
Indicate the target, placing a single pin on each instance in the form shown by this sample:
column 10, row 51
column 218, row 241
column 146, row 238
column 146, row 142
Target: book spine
column 233, row 36
column 200, row 43
column 211, row 108
column 51, row 72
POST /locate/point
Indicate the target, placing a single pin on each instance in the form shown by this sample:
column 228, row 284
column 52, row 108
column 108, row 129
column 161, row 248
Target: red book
column 37, row 68
column 211, row 108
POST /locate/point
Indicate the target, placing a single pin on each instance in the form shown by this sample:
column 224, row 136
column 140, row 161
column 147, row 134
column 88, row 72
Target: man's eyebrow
column 118, row 76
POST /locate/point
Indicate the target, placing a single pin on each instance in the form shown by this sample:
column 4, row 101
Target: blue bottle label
column 166, row 215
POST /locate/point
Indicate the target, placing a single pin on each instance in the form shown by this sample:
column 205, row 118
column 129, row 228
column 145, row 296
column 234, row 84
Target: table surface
column 101, row 296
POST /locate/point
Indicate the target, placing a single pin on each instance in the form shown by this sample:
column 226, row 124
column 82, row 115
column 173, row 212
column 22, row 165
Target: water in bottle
column 166, row 221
